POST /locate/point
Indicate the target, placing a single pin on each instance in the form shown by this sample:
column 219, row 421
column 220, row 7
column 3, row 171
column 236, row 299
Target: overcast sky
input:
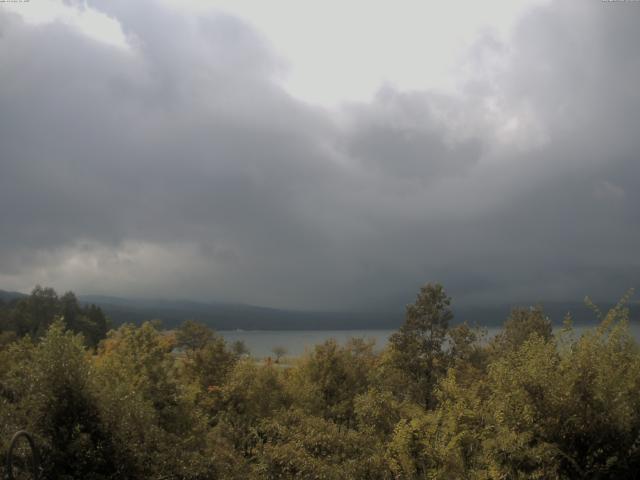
column 323, row 155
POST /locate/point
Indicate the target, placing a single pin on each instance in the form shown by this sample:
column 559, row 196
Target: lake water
column 262, row 342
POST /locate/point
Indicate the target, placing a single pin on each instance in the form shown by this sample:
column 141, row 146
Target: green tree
column 328, row 379
column 521, row 324
column 417, row 349
column 210, row 364
column 279, row 352
column 193, row 335
column 148, row 408
column 90, row 321
column 34, row 314
column 575, row 408
column 295, row 445
column 240, row 348
column 377, row 412
column 50, row 393
column 251, row 394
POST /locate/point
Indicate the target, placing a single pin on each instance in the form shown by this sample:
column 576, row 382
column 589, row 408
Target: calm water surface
column 262, row 342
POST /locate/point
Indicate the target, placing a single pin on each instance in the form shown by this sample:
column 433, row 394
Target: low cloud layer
column 180, row 167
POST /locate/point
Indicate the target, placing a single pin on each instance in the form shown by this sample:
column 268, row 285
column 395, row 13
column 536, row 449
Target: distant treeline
column 22, row 315
column 229, row 316
column 247, row 317
column 439, row 402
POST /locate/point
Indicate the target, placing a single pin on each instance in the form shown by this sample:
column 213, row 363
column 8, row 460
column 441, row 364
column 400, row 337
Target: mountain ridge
column 233, row 316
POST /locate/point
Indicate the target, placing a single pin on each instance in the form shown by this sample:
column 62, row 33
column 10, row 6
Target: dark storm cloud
column 399, row 136
column 181, row 167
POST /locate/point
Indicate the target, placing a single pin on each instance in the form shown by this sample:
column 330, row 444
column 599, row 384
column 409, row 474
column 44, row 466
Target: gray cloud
column 400, row 136
column 183, row 169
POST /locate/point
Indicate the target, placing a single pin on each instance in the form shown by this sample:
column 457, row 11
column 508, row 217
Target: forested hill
column 9, row 296
column 228, row 316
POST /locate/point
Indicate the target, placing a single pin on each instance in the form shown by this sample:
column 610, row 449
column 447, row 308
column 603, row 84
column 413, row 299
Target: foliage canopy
column 439, row 402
